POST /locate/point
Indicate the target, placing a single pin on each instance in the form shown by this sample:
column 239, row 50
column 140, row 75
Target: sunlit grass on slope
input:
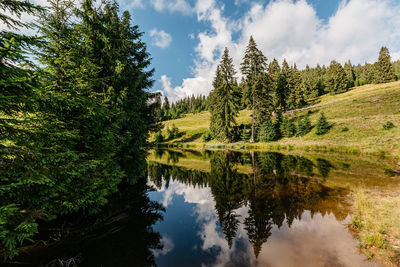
column 363, row 110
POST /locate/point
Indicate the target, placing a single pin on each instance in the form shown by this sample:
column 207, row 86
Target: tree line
column 74, row 122
column 193, row 104
column 269, row 89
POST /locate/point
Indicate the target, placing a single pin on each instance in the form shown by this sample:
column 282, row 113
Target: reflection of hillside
column 342, row 170
column 278, row 191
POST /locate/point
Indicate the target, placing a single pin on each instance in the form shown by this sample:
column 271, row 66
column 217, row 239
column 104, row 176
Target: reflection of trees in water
column 120, row 235
column 280, row 188
column 62, row 195
column 226, row 187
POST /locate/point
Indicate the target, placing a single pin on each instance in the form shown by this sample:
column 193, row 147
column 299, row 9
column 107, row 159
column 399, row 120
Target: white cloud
column 167, row 244
column 292, row 30
column 128, row 4
column 160, row 38
column 172, row 6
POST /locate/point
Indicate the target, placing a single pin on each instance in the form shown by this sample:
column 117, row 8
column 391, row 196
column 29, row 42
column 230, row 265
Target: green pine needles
column 225, row 100
column 77, row 126
column 322, row 126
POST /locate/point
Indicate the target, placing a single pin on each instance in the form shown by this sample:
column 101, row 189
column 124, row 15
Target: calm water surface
column 250, row 209
column 220, row 208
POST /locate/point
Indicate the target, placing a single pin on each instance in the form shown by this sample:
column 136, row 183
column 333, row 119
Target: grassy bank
column 357, row 118
column 376, row 223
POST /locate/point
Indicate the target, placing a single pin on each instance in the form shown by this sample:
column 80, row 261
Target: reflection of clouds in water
column 191, row 194
column 212, row 238
column 317, row 241
column 168, row 246
column 206, row 217
column 308, row 242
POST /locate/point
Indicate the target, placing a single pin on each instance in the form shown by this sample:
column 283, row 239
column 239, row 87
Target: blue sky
column 177, row 59
column 186, row 37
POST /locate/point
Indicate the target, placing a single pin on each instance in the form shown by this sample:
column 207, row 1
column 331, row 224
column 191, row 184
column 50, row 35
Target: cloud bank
column 292, row 30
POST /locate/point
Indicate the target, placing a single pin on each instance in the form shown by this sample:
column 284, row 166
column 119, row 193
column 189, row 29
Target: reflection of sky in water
column 192, row 236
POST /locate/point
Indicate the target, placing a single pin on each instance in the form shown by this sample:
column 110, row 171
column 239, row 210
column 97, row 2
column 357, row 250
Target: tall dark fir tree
column 253, row 67
column 225, row 99
column 337, row 81
column 384, row 70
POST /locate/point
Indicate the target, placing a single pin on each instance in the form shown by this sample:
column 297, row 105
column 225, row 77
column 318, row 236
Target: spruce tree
column 322, row 126
column 337, row 81
column 18, row 86
column 384, row 71
column 268, row 131
column 277, row 85
column 350, row 74
column 165, row 109
column 253, row 68
column 295, row 89
column 225, row 99
column 285, row 73
column 303, row 126
column 17, row 78
column 287, row 127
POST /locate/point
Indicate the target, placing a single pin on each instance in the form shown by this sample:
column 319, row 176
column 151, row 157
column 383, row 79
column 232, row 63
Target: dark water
column 220, row 208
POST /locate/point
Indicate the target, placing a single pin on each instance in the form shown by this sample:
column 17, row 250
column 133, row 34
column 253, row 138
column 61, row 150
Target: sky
column 186, row 37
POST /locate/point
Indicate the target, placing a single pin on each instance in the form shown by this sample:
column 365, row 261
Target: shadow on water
column 121, row 234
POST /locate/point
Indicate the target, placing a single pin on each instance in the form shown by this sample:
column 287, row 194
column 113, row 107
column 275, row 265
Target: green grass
column 376, row 220
column 357, row 119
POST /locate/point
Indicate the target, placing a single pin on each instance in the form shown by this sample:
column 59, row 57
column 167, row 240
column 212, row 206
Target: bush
column 303, row 126
column 207, row 136
column 344, row 129
column 388, row 125
column 322, row 126
column 288, row 129
column 267, row 131
column 158, row 137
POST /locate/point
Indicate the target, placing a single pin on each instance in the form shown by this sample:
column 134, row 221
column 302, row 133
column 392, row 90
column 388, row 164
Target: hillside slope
column 363, row 111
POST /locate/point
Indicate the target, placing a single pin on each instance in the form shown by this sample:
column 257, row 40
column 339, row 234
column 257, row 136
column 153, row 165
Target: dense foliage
column 225, row 99
column 77, row 126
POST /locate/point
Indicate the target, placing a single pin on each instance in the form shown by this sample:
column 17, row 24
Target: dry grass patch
column 376, row 222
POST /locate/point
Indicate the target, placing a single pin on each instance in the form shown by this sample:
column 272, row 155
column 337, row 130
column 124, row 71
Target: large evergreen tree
column 277, row 85
column 337, row 81
column 253, row 68
column 225, row 99
column 17, row 78
column 351, row 77
column 295, row 85
column 165, row 109
column 384, row 71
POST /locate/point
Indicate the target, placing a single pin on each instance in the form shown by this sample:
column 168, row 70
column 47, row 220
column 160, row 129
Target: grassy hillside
column 363, row 111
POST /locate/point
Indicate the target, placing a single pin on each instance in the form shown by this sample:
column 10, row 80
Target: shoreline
column 287, row 146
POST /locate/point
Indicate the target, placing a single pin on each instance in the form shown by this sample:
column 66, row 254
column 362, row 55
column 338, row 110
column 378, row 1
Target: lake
column 223, row 208
column 226, row 208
